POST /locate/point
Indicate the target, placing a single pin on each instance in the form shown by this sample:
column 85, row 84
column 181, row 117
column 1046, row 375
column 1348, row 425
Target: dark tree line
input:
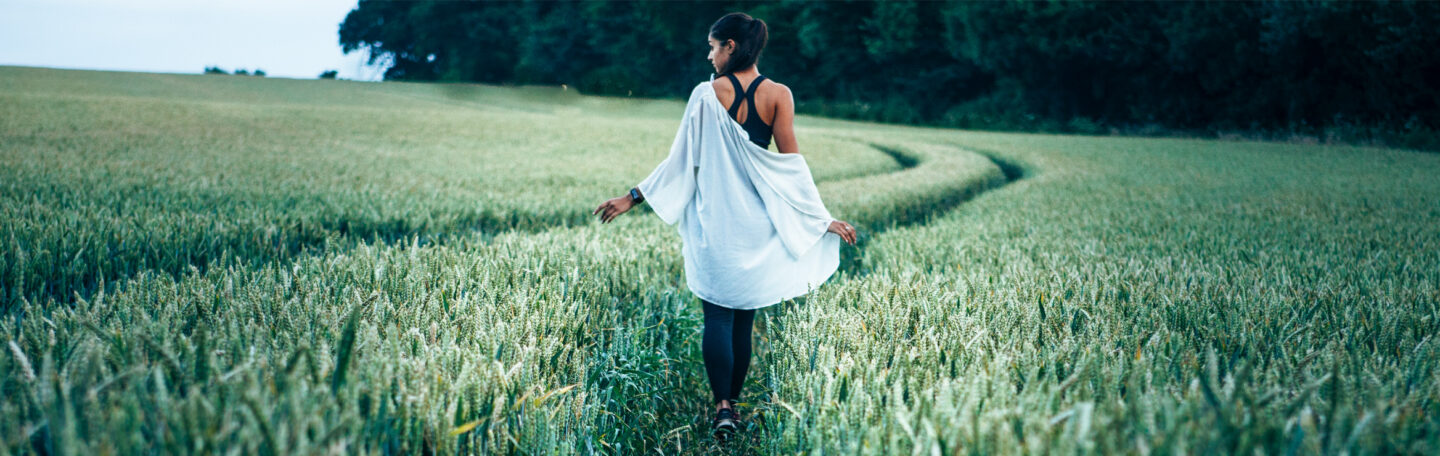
column 240, row 71
column 1360, row 70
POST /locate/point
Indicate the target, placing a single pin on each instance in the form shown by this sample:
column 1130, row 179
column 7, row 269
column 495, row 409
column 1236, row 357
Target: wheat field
column 207, row 264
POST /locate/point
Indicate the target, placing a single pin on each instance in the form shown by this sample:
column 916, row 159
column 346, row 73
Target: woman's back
column 753, row 227
column 752, row 102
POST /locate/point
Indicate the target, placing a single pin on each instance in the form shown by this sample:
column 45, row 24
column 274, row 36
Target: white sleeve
column 671, row 186
column 791, row 198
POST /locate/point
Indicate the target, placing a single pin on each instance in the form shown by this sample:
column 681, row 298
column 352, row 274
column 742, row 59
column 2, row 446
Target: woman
column 754, row 229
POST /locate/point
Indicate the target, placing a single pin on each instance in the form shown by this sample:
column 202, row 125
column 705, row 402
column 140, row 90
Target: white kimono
column 751, row 220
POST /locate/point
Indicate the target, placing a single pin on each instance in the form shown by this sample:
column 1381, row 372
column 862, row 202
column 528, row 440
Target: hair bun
column 750, row 35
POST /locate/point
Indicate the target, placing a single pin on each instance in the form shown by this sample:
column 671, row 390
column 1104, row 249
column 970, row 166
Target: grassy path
column 1137, row 295
column 654, row 371
column 106, row 175
column 207, row 212
column 198, row 264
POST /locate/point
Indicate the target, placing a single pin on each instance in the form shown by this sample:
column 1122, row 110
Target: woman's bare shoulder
column 781, row 96
column 722, row 86
column 768, row 85
column 781, row 90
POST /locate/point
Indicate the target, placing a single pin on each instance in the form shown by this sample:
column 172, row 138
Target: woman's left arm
column 784, row 124
column 613, row 207
column 670, row 187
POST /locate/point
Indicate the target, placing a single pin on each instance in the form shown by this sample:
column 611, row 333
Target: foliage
column 1352, row 71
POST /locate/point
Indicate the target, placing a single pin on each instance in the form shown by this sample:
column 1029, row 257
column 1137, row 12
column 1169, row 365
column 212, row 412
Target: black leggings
column 726, row 346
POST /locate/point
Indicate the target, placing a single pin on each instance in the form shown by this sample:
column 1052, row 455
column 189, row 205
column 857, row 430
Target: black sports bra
column 759, row 132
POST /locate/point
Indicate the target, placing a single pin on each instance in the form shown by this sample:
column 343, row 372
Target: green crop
column 205, row 264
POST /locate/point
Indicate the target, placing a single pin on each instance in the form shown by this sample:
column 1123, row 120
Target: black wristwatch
column 635, row 196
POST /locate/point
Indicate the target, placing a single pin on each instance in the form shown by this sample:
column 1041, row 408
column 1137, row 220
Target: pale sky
column 286, row 38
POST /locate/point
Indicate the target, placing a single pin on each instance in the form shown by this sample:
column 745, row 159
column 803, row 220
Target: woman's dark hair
column 749, row 34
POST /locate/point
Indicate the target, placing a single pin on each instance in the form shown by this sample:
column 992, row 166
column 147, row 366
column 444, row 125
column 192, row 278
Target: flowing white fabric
column 751, row 220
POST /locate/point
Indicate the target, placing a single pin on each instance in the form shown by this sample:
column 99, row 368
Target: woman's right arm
column 844, row 230
column 783, row 127
column 784, row 124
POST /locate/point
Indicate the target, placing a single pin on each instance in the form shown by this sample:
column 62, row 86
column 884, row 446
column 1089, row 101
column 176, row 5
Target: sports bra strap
column 742, row 94
column 754, row 85
column 759, row 132
column 739, row 94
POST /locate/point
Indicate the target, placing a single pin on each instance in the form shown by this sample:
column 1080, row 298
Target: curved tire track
column 933, row 179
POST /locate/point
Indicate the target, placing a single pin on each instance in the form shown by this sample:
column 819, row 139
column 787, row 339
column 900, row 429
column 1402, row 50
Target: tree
column 1059, row 66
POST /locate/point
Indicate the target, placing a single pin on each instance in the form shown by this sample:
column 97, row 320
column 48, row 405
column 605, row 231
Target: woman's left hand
column 613, row 207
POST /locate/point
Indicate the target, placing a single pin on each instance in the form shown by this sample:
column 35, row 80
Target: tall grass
column 212, row 264
column 1135, row 296
column 104, row 175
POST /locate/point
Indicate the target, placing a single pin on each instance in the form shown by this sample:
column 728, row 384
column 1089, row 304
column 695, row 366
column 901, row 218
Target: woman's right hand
column 846, row 232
